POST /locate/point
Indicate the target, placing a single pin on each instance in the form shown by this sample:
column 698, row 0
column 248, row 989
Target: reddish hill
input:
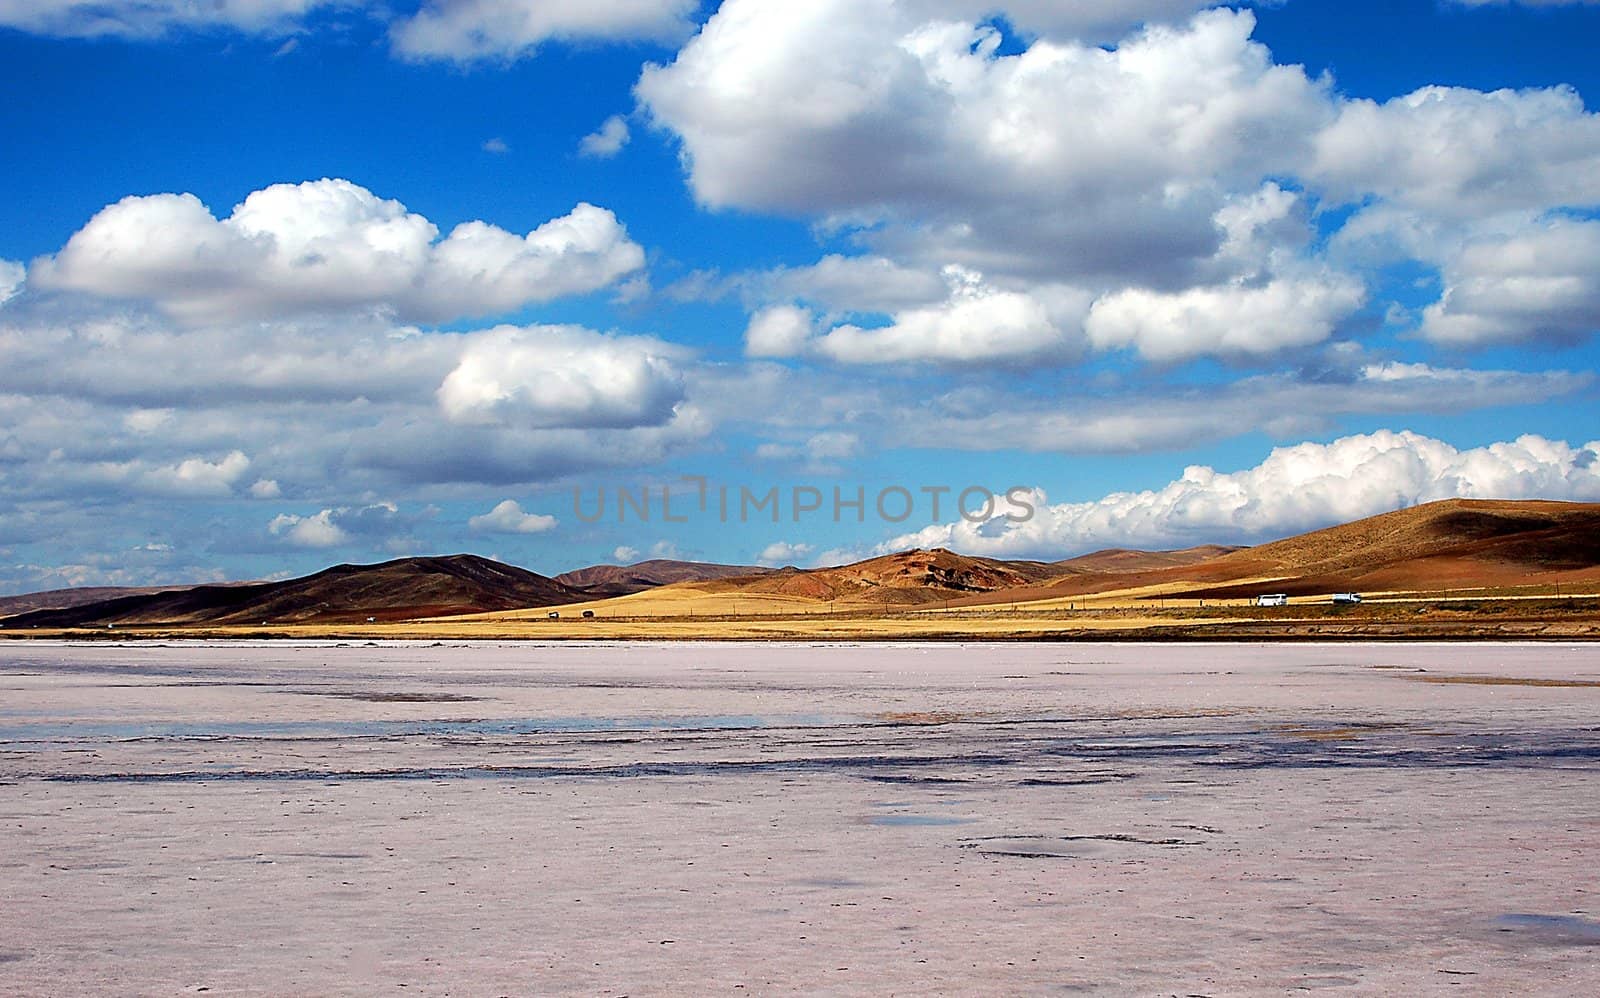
column 910, row 577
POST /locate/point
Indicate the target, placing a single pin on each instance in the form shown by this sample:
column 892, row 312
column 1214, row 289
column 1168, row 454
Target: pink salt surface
column 653, row 819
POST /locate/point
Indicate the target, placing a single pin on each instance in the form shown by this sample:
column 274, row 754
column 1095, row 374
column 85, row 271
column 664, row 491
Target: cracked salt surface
column 685, row 818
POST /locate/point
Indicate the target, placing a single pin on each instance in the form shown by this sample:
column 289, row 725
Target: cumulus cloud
column 337, row 526
column 1456, row 153
column 625, row 555
column 1542, row 282
column 1141, row 174
column 606, row 141
column 192, row 477
column 779, row 331
column 12, row 275
column 562, row 376
column 782, row 553
column 1065, row 157
column 1296, row 488
column 1230, row 319
column 199, row 477
column 978, row 322
column 468, row 30
column 508, row 518
column 315, row 531
column 327, row 246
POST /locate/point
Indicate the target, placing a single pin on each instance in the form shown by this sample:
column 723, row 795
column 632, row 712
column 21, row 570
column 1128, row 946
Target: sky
column 289, row 283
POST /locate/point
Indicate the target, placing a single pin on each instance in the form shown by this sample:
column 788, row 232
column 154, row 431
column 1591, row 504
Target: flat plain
column 745, row 818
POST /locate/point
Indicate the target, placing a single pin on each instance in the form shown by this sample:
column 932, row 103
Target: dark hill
column 394, row 590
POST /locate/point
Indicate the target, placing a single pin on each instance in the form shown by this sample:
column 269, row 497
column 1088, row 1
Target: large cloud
column 330, row 245
column 1296, row 488
column 1539, row 283
column 1456, row 153
column 465, row 30
column 1066, row 157
column 1232, row 319
column 1125, row 172
column 558, row 376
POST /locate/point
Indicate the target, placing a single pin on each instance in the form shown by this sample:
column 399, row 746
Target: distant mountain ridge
column 393, row 590
column 1454, row 544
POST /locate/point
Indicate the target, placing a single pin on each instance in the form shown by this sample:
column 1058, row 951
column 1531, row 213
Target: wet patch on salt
column 1551, row 930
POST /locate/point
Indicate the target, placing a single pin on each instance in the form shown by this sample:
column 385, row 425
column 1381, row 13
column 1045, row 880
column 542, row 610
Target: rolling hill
column 1456, row 543
column 1450, row 545
column 621, row 580
column 394, row 590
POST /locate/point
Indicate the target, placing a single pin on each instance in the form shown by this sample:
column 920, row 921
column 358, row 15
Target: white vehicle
column 1273, row 599
column 1346, row 599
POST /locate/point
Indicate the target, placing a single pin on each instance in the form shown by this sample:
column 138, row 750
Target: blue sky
column 291, row 282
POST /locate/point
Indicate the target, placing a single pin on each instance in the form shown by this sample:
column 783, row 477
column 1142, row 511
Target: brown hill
column 908, row 578
column 621, row 580
column 1457, row 543
column 394, row 590
column 61, row 599
column 1115, row 561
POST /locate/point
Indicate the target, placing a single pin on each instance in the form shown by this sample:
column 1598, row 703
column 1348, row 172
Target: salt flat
column 286, row 818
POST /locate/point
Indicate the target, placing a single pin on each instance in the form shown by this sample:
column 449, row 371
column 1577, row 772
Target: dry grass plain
column 702, row 613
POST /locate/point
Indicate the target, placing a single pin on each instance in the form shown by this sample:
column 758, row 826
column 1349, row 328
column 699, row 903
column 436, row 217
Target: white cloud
column 467, row 30
column 265, row 488
column 837, row 283
column 606, row 141
column 375, row 523
column 12, row 274
column 664, row 549
column 1296, row 488
column 153, row 18
column 779, row 331
column 818, row 450
column 625, row 555
column 315, row 531
column 508, row 518
column 978, row 322
column 782, row 553
column 562, row 377
column 1066, row 158
column 326, row 246
column 199, row 477
column 1459, row 154
column 1231, row 319
column 1542, row 282
column 496, row 145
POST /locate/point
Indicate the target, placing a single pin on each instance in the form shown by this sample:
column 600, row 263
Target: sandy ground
column 747, row 819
